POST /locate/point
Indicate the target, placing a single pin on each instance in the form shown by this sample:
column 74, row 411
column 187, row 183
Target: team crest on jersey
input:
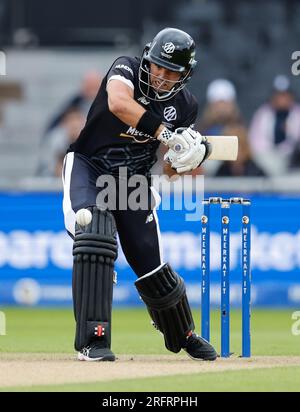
column 169, row 47
column 170, row 113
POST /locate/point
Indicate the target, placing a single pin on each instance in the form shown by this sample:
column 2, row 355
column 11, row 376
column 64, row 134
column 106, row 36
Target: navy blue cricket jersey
column 113, row 144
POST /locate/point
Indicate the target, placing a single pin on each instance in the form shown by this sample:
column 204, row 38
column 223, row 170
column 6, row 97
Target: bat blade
column 223, row 147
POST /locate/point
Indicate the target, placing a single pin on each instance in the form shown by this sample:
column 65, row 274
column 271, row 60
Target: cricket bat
column 223, row 147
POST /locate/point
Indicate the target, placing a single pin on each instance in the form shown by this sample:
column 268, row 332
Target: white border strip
column 122, row 79
column 151, row 273
column 69, row 214
column 157, row 203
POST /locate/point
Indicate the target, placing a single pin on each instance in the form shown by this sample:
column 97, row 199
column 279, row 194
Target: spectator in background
column 274, row 132
column 220, row 112
column 244, row 165
column 82, row 101
column 221, row 108
column 294, row 163
column 53, row 148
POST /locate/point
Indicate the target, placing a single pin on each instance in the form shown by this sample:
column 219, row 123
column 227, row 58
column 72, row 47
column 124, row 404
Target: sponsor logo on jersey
column 136, row 135
column 143, row 100
column 168, row 125
column 149, row 218
column 168, row 47
column 170, row 113
column 134, row 132
column 123, row 66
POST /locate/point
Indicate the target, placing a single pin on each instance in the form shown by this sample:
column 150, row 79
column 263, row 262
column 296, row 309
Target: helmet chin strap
column 165, row 95
column 162, row 95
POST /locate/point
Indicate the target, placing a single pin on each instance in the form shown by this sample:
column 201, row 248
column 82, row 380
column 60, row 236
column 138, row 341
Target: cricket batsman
column 142, row 103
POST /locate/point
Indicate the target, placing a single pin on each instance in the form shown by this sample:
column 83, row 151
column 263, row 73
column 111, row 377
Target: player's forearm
column 126, row 109
column 159, row 130
column 122, row 104
column 131, row 113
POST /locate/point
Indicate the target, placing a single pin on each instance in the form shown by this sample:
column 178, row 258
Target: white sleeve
column 122, row 79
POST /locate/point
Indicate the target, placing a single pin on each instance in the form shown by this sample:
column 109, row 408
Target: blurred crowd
column 65, row 126
column 269, row 145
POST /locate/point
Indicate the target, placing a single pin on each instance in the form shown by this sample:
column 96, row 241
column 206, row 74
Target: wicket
column 225, row 205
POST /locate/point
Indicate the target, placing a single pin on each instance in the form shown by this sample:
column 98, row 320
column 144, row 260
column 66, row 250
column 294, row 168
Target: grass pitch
column 38, row 337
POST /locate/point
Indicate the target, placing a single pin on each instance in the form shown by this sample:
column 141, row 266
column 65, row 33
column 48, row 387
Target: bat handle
column 208, row 148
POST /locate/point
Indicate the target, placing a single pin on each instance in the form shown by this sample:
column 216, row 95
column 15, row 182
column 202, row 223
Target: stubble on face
column 162, row 79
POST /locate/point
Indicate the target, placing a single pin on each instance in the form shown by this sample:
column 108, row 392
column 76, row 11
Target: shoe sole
column 106, row 358
column 201, row 359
